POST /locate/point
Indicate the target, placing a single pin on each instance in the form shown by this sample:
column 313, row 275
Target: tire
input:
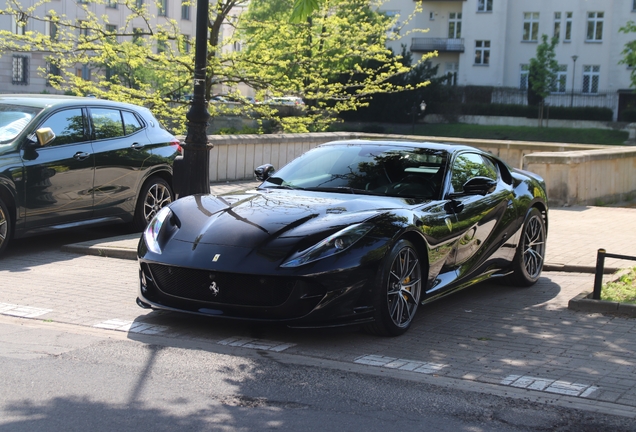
column 530, row 256
column 5, row 226
column 155, row 194
column 398, row 291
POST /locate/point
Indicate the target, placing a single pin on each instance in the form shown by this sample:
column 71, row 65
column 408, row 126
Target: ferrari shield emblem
column 216, row 257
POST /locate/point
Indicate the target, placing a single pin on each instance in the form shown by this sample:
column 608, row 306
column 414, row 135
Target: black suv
column 68, row 161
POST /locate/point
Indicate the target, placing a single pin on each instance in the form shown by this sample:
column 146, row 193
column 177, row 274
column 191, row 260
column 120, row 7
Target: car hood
column 253, row 219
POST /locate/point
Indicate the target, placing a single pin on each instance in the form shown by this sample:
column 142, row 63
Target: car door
column 479, row 217
column 122, row 152
column 59, row 175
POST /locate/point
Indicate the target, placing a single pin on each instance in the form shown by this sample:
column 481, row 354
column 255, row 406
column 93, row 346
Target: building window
column 139, row 3
column 591, row 77
column 557, row 26
column 162, row 45
column 162, row 8
column 482, row 52
column 137, row 36
column 523, row 76
column 83, row 28
column 185, row 10
column 111, row 31
column 20, row 70
column 83, row 1
column 560, row 80
column 633, row 5
column 84, row 73
column 237, row 46
column 18, row 24
column 52, row 71
column 50, row 28
column 186, row 45
column 394, row 16
column 530, row 26
column 484, row 5
column 455, row 25
column 450, row 71
column 595, row 26
column 567, row 37
column 111, row 4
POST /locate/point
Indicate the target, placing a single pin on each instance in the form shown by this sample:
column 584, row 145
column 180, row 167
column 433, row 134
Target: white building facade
column 19, row 70
column 490, row 42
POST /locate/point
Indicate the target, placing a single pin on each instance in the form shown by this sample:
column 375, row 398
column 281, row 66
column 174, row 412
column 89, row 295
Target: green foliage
column 622, row 290
column 152, row 65
column 527, row 111
column 543, row 68
column 629, row 51
column 336, row 59
column 628, row 115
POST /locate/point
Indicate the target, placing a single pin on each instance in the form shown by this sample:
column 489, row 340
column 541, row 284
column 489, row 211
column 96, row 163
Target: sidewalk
column 490, row 334
column 574, row 236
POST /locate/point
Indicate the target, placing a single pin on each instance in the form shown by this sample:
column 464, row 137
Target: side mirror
column 479, row 186
column 264, row 172
column 44, row 136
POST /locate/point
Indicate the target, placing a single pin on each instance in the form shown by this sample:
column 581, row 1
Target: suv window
column 131, row 123
column 67, row 125
column 107, row 123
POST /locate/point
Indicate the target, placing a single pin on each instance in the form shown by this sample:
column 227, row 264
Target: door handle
column 80, row 156
column 137, row 146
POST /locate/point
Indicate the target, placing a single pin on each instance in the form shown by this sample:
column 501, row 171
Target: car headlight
column 332, row 245
column 153, row 230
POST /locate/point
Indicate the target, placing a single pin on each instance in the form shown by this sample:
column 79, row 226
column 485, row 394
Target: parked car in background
column 286, row 101
column 351, row 232
column 70, row 161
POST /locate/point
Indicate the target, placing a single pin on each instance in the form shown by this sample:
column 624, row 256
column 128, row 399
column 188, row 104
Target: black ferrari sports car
column 351, row 232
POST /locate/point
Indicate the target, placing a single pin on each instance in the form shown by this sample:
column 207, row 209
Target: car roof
column 46, row 101
column 449, row 147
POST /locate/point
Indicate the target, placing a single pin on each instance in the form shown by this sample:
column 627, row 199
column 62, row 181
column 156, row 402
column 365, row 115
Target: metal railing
column 437, row 44
column 600, row 264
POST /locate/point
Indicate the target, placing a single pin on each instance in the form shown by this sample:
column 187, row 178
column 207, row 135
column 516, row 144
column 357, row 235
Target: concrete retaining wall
column 574, row 173
column 587, row 177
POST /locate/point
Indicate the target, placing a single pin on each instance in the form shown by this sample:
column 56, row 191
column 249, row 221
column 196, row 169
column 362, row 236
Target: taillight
column 176, row 143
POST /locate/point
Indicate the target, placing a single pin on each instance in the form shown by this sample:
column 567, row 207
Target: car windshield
column 367, row 169
column 13, row 120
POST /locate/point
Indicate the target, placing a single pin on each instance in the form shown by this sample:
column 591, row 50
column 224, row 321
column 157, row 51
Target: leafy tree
column 152, row 65
column 542, row 71
column 629, row 51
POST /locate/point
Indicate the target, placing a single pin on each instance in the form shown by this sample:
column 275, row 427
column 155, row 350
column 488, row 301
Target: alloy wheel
column 4, row 227
column 534, row 247
column 405, row 284
column 158, row 196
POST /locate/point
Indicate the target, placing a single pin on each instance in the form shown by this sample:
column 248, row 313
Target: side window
column 469, row 165
column 131, row 123
column 107, row 123
column 67, row 125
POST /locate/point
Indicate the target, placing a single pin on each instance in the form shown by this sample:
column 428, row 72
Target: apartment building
column 490, row 42
column 19, row 71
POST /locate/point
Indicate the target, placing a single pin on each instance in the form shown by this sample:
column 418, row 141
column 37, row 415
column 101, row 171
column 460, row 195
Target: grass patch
column 525, row 133
column 513, row 133
column 622, row 290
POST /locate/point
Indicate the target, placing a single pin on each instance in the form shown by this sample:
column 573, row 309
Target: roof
column 44, row 100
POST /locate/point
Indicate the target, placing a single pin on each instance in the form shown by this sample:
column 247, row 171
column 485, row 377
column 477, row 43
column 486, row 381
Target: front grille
column 233, row 288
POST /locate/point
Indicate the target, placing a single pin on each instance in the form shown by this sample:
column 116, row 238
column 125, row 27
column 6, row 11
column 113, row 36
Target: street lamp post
column 191, row 173
column 422, row 107
column 574, row 57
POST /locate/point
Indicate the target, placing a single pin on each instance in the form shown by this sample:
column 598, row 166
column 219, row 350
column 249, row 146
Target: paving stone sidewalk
column 490, row 333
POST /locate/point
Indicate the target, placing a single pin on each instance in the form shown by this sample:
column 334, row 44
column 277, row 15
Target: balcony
column 437, row 44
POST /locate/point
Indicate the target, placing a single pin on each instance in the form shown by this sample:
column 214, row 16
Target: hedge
column 556, row 112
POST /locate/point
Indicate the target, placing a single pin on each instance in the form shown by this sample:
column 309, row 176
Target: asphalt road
column 58, row 377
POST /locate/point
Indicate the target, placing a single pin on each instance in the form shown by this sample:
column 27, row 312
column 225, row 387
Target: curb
column 568, row 268
column 583, row 303
column 108, row 251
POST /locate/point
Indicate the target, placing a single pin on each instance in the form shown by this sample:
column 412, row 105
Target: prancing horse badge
column 216, row 257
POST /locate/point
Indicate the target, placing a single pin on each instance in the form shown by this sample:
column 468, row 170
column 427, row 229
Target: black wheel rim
column 158, row 196
column 4, row 227
column 405, row 284
column 533, row 247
